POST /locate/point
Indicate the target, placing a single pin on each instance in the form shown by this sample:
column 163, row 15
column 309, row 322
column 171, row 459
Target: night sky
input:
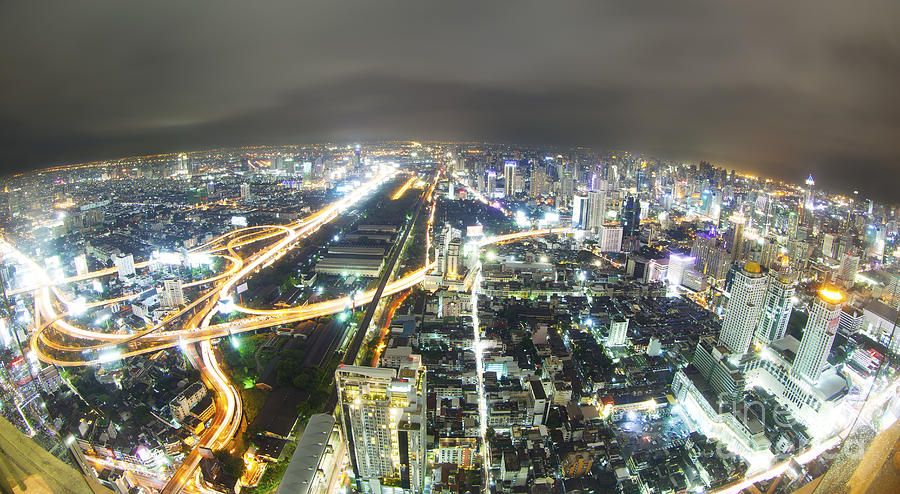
column 772, row 87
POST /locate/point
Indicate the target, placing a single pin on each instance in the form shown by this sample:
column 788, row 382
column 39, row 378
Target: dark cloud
column 778, row 88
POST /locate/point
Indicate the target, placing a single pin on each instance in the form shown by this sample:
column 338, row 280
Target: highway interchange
column 246, row 251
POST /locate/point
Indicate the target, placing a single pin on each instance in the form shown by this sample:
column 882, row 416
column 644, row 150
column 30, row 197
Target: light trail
column 479, row 379
column 273, row 317
column 200, row 330
column 403, row 188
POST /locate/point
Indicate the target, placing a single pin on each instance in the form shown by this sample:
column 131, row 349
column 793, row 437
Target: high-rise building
column 356, row 157
column 737, row 237
column 539, row 184
column 124, row 265
column 777, row 307
column 610, row 238
column 822, row 325
column 809, row 202
column 245, row 190
column 383, row 422
column 566, row 188
column 580, row 212
column 631, row 217
column 509, row 176
column 618, row 331
column 453, row 258
column 172, row 293
column 596, row 207
column 849, row 268
column 744, row 307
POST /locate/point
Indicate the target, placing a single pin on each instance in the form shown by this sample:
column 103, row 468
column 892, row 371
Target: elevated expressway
column 59, row 342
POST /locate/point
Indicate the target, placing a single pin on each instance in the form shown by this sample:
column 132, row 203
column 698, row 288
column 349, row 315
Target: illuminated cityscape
column 449, row 247
column 205, row 322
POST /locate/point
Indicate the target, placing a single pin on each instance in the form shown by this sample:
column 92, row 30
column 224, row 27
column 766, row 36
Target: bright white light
column 522, row 219
column 109, row 356
column 544, row 259
column 551, row 217
column 196, row 259
column 226, row 305
column 491, row 255
column 77, row 306
column 172, row 258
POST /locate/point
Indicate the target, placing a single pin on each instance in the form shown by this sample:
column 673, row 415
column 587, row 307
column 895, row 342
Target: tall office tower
column 612, row 176
column 809, row 202
column 737, row 237
column 777, row 307
column 383, row 421
column 849, row 268
column 618, row 331
column 124, row 265
column 596, row 208
column 81, row 266
column 509, row 176
column 491, row 183
column 245, row 190
column 356, row 157
column 566, row 188
column 631, row 217
column 641, row 178
column 824, row 318
column 748, row 292
column 580, row 212
column 539, row 182
column 172, row 293
column 768, row 253
column 610, row 238
column 453, row 258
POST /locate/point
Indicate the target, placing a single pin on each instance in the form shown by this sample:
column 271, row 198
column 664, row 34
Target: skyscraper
column 453, row 258
column 580, row 212
column 509, row 176
column 383, row 421
column 631, row 217
column 737, row 237
column 777, row 308
column 809, row 202
column 566, row 188
column 824, row 318
column 849, row 268
column 596, row 207
column 539, row 183
column 748, row 291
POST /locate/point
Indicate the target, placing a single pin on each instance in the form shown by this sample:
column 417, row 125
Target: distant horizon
column 108, row 161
